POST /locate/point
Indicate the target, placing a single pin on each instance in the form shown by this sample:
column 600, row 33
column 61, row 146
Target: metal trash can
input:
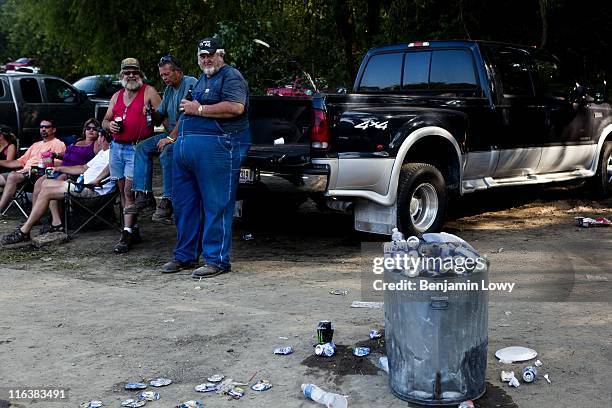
column 436, row 339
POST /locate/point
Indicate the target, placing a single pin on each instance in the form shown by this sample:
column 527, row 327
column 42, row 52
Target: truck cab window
column 2, row 91
column 416, row 70
column 382, row 74
column 513, row 70
column 452, row 70
column 550, row 81
column 30, row 91
column 59, row 92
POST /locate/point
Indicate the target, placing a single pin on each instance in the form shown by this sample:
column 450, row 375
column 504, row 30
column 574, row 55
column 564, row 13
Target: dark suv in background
column 98, row 86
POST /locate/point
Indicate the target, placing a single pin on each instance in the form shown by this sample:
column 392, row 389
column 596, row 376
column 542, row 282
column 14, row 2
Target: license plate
column 246, row 175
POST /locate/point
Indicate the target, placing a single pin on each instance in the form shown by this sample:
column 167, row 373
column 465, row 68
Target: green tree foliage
column 73, row 38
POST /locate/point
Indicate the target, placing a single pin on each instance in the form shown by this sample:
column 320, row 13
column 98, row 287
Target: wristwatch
column 201, row 110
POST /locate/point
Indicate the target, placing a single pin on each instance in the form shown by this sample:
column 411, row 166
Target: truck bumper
column 310, row 180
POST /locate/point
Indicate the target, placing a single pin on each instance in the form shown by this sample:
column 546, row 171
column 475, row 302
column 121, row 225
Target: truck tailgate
column 280, row 132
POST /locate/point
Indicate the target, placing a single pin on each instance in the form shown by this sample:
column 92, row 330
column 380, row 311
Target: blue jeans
column 143, row 166
column 121, row 161
column 206, row 173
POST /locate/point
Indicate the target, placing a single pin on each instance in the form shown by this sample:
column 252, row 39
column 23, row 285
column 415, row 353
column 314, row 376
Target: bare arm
column 108, row 123
column 152, row 97
column 10, row 164
column 103, row 175
column 221, row 110
column 72, row 170
column 11, row 152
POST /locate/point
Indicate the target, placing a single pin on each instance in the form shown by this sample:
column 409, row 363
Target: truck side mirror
column 578, row 95
column 600, row 94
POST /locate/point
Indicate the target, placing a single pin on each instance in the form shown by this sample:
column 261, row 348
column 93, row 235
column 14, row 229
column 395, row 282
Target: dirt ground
column 77, row 316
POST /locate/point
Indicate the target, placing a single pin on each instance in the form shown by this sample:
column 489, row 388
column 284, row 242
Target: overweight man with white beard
column 126, row 120
column 214, row 138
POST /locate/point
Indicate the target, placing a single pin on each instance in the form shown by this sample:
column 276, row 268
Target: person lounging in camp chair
column 52, row 190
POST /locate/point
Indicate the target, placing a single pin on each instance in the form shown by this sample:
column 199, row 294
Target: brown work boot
column 144, row 202
column 163, row 213
column 125, row 242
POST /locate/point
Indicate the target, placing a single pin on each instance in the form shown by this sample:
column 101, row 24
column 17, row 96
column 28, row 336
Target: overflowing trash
column 328, row 399
column 160, row 382
column 283, row 350
column 586, row 222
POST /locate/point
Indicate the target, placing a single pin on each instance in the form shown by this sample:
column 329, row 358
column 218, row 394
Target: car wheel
column 602, row 181
column 421, row 200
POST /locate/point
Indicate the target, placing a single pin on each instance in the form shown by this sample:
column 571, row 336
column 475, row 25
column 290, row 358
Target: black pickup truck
column 26, row 98
column 426, row 121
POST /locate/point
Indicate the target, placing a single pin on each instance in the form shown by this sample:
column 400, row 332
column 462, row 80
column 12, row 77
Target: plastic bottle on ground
column 328, row 399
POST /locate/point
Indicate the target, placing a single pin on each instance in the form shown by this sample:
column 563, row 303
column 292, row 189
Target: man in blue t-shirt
column 177, row 87
column 213, row 140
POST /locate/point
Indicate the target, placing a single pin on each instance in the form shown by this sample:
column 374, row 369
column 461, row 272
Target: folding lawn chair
column 82, row 211
column 21, row 198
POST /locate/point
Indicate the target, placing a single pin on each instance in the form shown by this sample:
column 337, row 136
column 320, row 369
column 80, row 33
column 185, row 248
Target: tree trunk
column 345, row 22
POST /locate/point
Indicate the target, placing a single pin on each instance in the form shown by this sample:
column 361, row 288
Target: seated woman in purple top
column 77, row 154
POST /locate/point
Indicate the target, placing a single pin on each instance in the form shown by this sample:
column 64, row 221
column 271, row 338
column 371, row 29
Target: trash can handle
column 439, row 303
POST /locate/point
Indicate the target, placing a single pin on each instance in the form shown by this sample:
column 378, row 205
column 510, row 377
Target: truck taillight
column 319, row 136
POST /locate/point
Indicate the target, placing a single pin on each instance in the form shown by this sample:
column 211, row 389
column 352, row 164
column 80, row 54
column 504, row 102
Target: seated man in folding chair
column 52, row 190
column 31, row 158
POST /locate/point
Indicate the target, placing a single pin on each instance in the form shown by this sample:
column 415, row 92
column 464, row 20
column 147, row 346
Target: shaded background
column 74, row 38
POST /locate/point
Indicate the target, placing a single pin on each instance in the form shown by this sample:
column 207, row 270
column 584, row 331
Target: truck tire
column 602, row 181
column 421, row 199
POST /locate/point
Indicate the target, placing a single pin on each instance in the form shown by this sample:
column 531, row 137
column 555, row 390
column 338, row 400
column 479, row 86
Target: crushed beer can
column 325, row 350
column 160, row 382
column 514, row 382
column 283, row 350
column 215, row 378
column 506, row 376
column 529, row 374
column 149, row 395
column 261, row 385
column 91, row 404
column 248, row 237
column 135, row 386
column 206, row 387
column 361, row 351
column 236, row 392
column 133, row 403
column 191, row 404
column 325, row 333
column 375, row 334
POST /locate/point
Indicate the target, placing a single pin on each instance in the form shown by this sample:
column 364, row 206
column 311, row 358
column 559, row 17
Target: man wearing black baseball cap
column 213, row 141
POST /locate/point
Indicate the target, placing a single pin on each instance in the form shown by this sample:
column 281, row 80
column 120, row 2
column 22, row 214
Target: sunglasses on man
column 130, row 73
column 46, row 126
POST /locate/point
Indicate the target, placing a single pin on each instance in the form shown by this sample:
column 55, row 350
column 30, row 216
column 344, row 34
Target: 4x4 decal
column 372, row 123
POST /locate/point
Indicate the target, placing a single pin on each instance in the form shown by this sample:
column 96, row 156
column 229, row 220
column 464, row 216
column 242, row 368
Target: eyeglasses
column 46, row 126
column 211, row 56
column 92, row 128
column 128, row 73
column 169, row 59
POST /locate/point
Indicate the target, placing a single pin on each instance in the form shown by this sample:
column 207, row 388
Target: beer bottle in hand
column 149, row 115
column 188, row 97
